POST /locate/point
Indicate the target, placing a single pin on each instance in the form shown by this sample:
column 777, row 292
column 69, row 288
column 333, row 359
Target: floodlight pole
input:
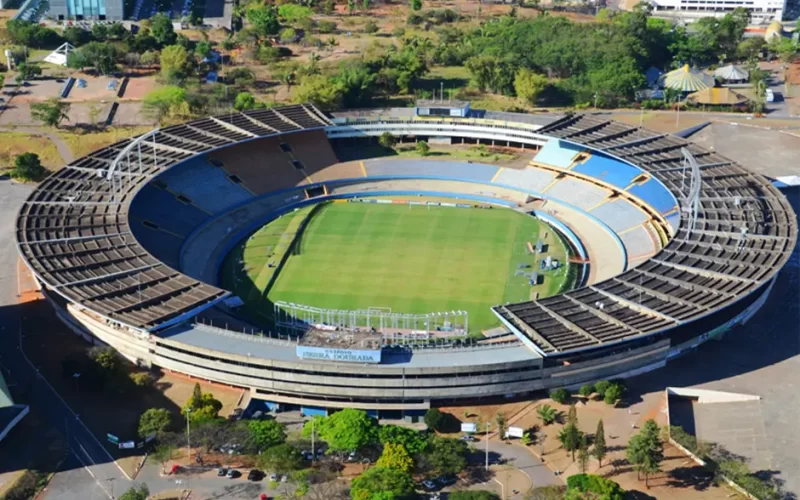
column 188, row 435
column 488, row 424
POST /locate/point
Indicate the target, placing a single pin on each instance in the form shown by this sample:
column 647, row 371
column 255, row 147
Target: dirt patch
column 13, row 144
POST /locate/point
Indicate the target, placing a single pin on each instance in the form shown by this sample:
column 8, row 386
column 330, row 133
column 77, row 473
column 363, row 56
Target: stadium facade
column 127, row 244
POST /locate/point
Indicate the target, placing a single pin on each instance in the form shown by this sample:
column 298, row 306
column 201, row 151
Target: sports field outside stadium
column 409, row 258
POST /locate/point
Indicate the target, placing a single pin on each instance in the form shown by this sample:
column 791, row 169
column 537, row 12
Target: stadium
column 249, row 250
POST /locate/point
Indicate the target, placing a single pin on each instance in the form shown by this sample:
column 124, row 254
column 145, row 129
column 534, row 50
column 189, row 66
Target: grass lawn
column 13, row 144
column 412, row 259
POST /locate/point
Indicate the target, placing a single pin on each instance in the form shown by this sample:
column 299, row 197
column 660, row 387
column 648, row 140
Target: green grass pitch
column 412, row 259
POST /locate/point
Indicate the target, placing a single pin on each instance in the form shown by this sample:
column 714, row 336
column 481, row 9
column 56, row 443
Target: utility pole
column 188, row 436
column 488, row 424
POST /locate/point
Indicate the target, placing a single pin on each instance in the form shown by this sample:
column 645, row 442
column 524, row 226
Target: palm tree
column 547, row 414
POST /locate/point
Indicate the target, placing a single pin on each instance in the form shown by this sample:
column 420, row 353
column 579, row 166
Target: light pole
column 488, row 424
column 188, row 436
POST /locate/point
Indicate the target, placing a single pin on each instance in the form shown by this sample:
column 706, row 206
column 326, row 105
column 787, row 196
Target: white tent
column 59, row 56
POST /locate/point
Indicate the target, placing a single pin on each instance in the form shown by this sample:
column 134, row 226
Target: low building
column 79, row 10
column 761, row 11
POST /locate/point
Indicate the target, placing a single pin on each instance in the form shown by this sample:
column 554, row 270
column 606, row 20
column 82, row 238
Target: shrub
column 415, row 19
column 600, row 387
column 600, row 486
column 386, row 140
column 289, row 35
column 613, row 394
column 28, row 167
column 422, row 148
column 586, row 390
column 370, row 28
column 142, row 379
column 326, row 27
column 399, row 32
column 560, row 395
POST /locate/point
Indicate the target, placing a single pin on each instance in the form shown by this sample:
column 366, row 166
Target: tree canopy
column 28, row 167
column 154, row 421
column 414, row 441
column 281, row 459
column 346, row 430
column 266, row 433
column 446, row 455
column 646, row 450
column 201, row 406
column 395, row 456
column 381, row 483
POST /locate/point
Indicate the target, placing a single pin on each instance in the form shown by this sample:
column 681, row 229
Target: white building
column 761, row 10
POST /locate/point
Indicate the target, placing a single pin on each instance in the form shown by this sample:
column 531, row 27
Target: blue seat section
column 638, row 243
column 206, row 185
column 655, row 195
column 454, row 169
column 577, row 192
column 608, row 170
column 163, row 209
column 530, row 179
column 674, row 220
column 165, row 247
column 557, row 153
column 619, row 215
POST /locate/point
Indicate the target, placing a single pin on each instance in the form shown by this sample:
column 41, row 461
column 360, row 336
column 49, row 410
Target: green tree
column 583, row 455
column 288, row 35
column 560, row 395
column 266, row 433
column 293, row 13
column 136, row 492
column 493, row 73
column 613, row 394
column 320, row 90
column 243, row 101
column 346, row 430
column 646, row 451
column 416, row 5
column 529, row 85
column 154, row 421
column 502, row 424
column 100, row 32
column 203, row 49
column 161, row 30
column 434, row 418
column 365, row 5
column 201, row 406
column 591, row 486
column 175, row 63
column 570, row 438
column 447, row 456
column 162, row 454
column 381, row 483
column 28, row 71
column 281, row 459
column 586, row 390
column 413, row 440
column 351, row 7
column 386, row 140
column 395, row 456
column 76, row 36
column 166, row 101
column 600, row 450
column 547, row 414
column 264, row 18
column 102, row 56
column 28, row 168
column 422, row 148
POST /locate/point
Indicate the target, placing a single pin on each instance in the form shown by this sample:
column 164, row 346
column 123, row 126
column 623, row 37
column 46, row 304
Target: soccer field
column 410, row 258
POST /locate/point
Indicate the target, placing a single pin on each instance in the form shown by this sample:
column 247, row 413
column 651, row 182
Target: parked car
column 430, row 485
column 446, row 480
column 257, row 415
column 273, row 477
column 468, row 438
column 222, row 471
column 233, row 473
column 255, row 475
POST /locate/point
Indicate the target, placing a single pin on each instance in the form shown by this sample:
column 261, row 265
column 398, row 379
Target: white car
column 770, row 95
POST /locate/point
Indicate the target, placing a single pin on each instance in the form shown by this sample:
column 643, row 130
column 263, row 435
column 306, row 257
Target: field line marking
column 630, row 229
column 363, row 168
column 497, row 174
column 601, row 203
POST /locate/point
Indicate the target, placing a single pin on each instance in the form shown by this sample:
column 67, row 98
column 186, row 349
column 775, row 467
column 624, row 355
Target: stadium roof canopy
column 686, row 79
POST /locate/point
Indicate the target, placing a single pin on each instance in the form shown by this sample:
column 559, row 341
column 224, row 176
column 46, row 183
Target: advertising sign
column 342, row 355
column 469, row 427
column 515, row 432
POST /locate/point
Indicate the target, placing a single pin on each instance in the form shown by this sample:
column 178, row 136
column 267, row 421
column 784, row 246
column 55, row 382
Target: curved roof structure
column 686, row 79
column 731, row 73
column 74, row 231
